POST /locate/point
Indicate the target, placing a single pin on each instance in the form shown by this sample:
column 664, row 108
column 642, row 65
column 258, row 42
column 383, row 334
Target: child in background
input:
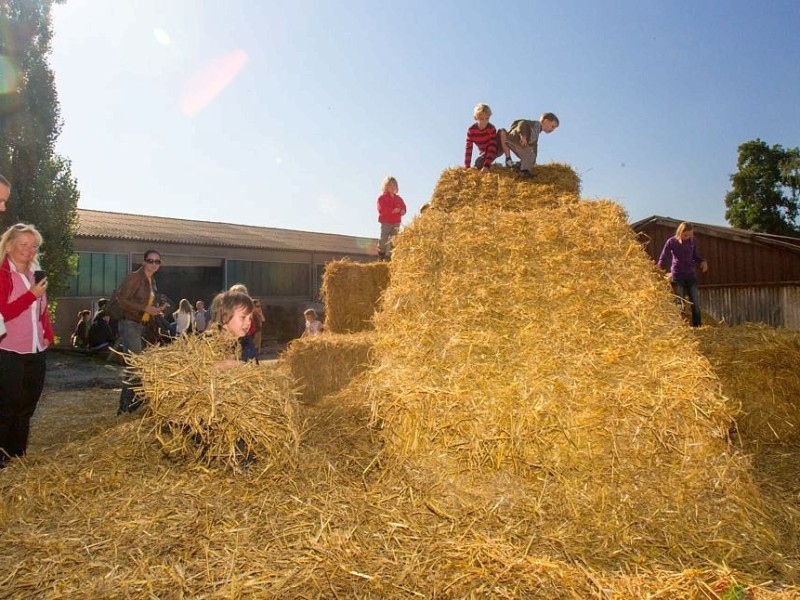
column 232, row 312
column 80, row 337
column 184, row 318
column 391, row 209
column 484, row 135
column 249, row 350
column 523, row 139
column 313, row 326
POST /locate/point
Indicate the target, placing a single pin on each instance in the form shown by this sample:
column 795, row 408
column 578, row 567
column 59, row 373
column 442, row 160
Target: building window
column 98, row 274
column 270, row 278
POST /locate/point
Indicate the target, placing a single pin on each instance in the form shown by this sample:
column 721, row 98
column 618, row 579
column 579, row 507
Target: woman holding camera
column 23, row 305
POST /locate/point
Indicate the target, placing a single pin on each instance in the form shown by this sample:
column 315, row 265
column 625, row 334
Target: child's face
column 391, row 188
column 549, row 126
column 309, row 317
column 482, row 119
column 239, row 324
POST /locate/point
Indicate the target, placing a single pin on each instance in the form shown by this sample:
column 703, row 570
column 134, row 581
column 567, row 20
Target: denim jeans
column 687, row 286
column 130, row 334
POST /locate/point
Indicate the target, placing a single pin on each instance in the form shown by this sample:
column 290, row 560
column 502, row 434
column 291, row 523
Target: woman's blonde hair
column 183, row 307
column 681, row 228
column 387, row 182
column 13, row 233
column 225, row 304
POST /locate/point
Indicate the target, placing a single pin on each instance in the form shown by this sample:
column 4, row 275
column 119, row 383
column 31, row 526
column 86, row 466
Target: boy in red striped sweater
column 484, row 135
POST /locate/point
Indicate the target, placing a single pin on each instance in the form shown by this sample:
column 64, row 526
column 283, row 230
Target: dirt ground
column 80, row 398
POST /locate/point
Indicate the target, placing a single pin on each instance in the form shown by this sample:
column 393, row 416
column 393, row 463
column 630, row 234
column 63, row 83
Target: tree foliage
column 44, row 192
column 765, row 194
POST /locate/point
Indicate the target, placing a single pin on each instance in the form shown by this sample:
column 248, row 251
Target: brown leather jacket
column 133, row 295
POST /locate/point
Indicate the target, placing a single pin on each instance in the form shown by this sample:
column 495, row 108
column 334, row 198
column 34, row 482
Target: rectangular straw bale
column 552, row 185
column 324, row 364
column 351, row 292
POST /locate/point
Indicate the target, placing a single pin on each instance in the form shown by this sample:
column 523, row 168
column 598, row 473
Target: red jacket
column 14, row 308
column 386, row 205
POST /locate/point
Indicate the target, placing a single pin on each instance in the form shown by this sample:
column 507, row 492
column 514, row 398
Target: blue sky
column 289, row 114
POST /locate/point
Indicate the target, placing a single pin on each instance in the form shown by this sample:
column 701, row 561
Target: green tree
column 43, row 190
column 765, row 189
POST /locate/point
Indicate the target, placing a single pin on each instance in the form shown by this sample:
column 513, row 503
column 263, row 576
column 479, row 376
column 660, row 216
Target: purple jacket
column 684, row 257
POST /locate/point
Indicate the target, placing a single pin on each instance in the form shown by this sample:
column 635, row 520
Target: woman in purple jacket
column 681, row 249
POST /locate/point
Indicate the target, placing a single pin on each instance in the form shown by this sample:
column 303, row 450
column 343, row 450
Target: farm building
column 752, row 277
column 283, row 268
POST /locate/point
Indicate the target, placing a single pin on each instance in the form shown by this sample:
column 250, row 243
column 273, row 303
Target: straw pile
column 324, row 364
column 352, row 292
column 758, row 366
column 110, row 517
column 230, row 415
column 532, row 365
column 553, row 184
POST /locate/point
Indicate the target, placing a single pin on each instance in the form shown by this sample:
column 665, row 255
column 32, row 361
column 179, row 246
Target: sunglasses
column 153, row 261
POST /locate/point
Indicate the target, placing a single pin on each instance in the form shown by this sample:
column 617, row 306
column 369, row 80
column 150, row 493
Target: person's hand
column 523, row 141
column 40, row 288
column 397, row 209
column 668, row 276
column 154, row 310
column 703, row 267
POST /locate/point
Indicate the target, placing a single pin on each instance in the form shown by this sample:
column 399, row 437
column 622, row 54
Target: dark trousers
column 21, row 383
column 687, row 286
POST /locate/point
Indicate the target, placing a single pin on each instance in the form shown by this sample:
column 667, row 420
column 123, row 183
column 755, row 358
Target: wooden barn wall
column 730, row 261
column 775, row 305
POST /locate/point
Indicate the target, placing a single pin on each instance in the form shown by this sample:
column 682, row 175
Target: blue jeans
column 683, row 286
column 130, row 334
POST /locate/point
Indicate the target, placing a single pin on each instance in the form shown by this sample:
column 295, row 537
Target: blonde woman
column 23, row 305
column 681, row 251
column 184, row 318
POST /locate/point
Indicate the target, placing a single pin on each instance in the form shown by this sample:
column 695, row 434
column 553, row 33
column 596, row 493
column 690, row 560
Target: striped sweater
column 485, row 139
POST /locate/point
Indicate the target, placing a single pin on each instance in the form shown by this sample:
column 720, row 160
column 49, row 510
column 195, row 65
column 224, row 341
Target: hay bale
column 351, row 292
column 533, row 362
column 758, row 367
column 216, row 415
column 324, row 364
column 503, row 189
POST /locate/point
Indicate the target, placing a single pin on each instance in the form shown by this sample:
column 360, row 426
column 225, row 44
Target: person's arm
column 666, row 253
column 491, row 147
column 401, row 205
column 11, row 310
column 524, row 133
column 699, row 260
column 125, row 293
column 468, row 150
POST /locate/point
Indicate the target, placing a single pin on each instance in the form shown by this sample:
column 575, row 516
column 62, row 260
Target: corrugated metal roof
column 732, row 233
column 108, row 225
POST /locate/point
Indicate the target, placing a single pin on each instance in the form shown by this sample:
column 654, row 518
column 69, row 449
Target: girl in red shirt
column 391, row 209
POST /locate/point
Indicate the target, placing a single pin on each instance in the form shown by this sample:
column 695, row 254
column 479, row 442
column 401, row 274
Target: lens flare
column 211, row 81
column 162, row 37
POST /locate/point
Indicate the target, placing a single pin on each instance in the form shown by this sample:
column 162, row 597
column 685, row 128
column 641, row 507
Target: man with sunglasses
column 136, row 297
